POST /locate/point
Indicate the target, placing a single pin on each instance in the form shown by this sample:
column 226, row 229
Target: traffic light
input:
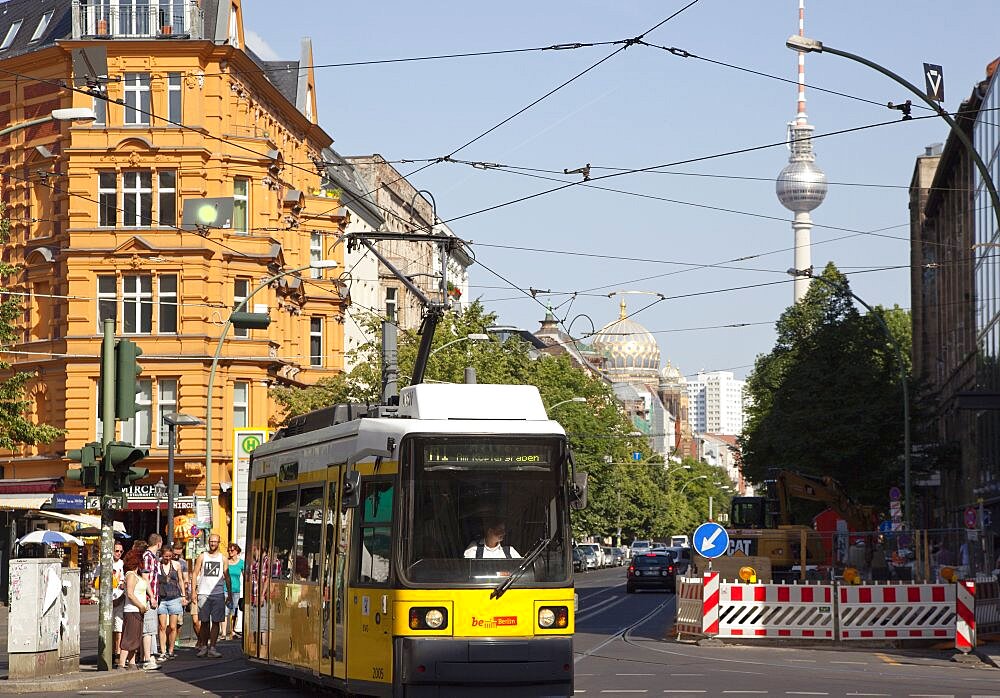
column 89, row 472
column 118, row 464
column 126, row 378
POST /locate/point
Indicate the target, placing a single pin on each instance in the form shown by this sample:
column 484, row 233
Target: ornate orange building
column 95, row 223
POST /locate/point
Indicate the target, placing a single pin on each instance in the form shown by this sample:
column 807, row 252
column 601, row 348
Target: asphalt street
column 622, row 649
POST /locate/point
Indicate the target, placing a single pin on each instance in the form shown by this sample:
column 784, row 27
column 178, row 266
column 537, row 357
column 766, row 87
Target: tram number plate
column 378, row 672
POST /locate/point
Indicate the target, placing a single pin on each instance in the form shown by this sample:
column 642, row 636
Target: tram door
column 284, row 589
column 331, row 549
column 257, row 612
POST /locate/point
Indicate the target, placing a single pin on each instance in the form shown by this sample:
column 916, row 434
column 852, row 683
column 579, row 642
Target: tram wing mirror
column 351, row 496
column 578, row 491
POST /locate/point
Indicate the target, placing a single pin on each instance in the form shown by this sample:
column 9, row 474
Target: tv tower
column 801, row 185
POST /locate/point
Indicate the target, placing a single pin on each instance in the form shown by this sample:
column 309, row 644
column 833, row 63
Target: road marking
column 631, row 674
column 803, row 660
column 94, row 692
column 932, row 695
column 222, row 676
column 763, row 692
column 858, row 694
column 805, row 693
column 886, row 658
column 683, row 690
column 687, row 674
column 624, row 690
column 600, row 608
column 867, row 694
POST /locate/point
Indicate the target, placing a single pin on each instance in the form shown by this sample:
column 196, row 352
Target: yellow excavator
column 765, row 526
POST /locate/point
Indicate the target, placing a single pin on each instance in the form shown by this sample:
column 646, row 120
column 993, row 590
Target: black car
column 579, row 564
column 651, row 571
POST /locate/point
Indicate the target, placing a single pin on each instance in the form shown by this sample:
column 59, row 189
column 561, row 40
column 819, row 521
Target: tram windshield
column 477, row 506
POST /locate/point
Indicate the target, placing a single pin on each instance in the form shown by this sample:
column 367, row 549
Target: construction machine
column 766, row 526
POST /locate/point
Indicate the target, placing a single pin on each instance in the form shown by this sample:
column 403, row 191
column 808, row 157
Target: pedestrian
column 233, row 614
column 118, row 599
column 178, row 549
column 214, row 588
column 172, row 600
column 136, row 600
column 150, row 622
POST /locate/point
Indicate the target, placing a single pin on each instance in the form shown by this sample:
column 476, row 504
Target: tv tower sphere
column 801, row 185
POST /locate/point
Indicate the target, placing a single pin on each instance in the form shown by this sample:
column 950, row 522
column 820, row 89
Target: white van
column 679, row 542
column 641, row 547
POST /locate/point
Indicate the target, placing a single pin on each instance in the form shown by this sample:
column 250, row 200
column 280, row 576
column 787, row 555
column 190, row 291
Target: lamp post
column 572, row 399
column 908, row 518
column 807, row 45
column 241, row 317
column 473, row 337
column 159, row 489
column 74, row 114
column 694, row 479
column 173, row 420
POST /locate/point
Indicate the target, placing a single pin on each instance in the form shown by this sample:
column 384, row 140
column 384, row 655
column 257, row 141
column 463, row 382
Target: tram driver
column 492, row 545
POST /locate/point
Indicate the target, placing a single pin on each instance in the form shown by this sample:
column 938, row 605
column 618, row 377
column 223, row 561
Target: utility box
column 69, row 631
column 33, row 625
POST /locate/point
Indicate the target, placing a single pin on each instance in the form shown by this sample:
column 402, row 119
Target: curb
column 992, row 660
column 69, row 682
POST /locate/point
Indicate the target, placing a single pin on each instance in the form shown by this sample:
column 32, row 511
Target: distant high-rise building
column 801, row 185
column 715, row 403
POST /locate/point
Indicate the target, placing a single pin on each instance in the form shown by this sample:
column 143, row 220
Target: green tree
column 16, row 429
column 827, row 399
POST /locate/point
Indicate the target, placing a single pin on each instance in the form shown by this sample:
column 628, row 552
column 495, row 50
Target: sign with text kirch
column 244, row 442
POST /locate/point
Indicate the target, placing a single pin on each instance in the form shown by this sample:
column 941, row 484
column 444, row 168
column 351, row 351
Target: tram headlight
column 428, row 618
column 553, row 617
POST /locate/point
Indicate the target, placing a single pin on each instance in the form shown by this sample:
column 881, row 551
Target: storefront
column 146, row 510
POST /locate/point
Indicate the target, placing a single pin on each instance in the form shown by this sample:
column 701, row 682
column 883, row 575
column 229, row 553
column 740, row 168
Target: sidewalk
column 88, row 676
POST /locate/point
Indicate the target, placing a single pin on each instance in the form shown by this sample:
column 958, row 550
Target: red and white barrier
column 710, row 604
column 908, row 611
column 690, row 609
column 776, row 610
column 987, row 604
column 965, row 610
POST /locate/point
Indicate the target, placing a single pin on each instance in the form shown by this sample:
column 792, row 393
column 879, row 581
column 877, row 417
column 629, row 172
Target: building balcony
column 168, row 19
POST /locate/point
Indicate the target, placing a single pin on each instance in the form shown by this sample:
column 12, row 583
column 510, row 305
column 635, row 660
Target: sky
column 664, row 232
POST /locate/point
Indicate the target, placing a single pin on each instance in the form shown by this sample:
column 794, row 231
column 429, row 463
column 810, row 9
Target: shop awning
column 82, row 519
column 23, row 501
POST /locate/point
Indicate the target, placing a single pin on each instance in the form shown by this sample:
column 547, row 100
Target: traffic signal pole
column 105, row 638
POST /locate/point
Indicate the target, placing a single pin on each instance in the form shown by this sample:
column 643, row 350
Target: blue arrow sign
column 710, row 540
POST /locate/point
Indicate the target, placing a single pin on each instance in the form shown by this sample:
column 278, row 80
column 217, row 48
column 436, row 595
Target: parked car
column 592, row 555
column 640, row 546
column 579, row 563
column 682, row 558
column 651, row 571
column 613, row 557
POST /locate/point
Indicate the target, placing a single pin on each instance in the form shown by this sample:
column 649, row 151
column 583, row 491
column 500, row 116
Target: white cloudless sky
column 640, row 108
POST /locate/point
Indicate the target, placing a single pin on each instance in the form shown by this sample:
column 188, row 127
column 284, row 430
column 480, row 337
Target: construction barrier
column 987, row 604
column 830, row 612
column 965, row 609
column 690, row 611
column 905, row 611
column 776, row 610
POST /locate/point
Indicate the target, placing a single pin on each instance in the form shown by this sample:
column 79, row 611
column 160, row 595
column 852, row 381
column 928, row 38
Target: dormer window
column 11, row 33
column 43, row 24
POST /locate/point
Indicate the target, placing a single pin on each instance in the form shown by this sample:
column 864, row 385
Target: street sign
column 710, row 540
column 894, row 494
column 971, row 517
column 934, row 81
column 885, row 526
column 636, row 456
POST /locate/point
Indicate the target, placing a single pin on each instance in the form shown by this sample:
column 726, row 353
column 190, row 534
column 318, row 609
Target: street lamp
column 902, row 379
column 253, row 320
column 807, row 45
column 173, row 420
column 473, row 337
column 159, row 489
column 572, row 399
column 694, row 479
column 74, row 114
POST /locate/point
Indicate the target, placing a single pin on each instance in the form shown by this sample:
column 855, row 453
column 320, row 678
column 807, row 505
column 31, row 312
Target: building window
column 390, row 304
column 234, row 34
column 167, row 303
column 241, row 205
column 107, row 196
column 166, row 402
column 174, row 97
column 137, row 110
column 138, row 430
column 43, row 24
column 315, row 253
column 107, row 300
column 241, row 404
column 241, row 289
column 11, row 33
column 316, row 341
column 137, row 198
column 100, row 111
column 167, row 193
column 137, row 304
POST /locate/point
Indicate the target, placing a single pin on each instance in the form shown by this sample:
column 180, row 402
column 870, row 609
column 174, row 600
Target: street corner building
column 103, row 210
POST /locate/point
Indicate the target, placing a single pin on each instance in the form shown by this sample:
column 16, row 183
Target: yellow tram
column 365, row 570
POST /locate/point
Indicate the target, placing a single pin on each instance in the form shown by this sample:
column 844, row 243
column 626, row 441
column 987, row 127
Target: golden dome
column 630, row 349
column 671, row 374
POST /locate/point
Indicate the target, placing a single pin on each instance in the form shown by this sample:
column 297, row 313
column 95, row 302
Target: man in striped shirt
column 150, row 624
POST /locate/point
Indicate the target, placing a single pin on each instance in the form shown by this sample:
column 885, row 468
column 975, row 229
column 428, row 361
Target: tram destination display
column 482, row 454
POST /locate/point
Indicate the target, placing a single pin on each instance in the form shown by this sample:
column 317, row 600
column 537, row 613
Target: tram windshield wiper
column 502, row 587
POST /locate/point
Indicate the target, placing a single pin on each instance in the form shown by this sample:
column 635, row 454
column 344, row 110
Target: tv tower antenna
column 801, row 185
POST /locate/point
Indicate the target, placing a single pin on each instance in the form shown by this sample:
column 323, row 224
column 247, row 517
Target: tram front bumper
column 434, row 666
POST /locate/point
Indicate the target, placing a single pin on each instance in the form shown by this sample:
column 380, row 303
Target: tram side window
column 310, row 534
column 376, row 532
column 283, row 544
